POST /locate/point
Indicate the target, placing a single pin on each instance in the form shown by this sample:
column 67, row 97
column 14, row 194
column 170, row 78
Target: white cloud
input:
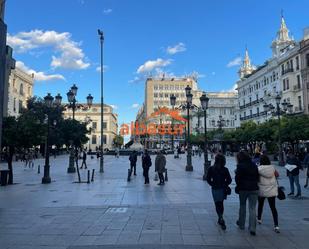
column 137, row 79
column 180, row 47
column 149, row 66
column 69, row 55
column 135, row 106
column 115, row 107
column 98, row 69
column 39, row 76
column 234, row 62
column 107, row 11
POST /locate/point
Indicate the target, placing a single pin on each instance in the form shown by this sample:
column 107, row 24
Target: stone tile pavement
column 112, row 213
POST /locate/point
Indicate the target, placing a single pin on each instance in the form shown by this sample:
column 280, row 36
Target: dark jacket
column 247, row 177
column 293, row 161
column 84, row 155
column 146, row 161
column 133, row 159
column 218, row 178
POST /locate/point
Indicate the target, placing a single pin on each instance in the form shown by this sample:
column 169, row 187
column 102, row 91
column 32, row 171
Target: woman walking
column 268, row 189
column 246, row 178
column 219, row 178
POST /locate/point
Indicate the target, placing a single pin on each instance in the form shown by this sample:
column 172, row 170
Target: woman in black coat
column 146, row 164
column 219, row 178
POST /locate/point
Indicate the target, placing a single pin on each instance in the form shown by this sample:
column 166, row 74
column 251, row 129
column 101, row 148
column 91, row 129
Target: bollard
column 166, row 178
column 92, row 177
column 129, row 175
column 39, row 169
column 88, row 176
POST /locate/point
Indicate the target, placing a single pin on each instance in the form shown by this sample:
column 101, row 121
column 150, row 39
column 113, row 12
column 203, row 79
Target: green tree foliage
column 118, row 141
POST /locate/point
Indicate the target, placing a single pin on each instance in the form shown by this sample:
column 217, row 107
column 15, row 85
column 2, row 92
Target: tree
column 118, row 141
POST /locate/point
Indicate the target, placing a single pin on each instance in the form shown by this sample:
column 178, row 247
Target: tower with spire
column 246, row 67
column 282, row 40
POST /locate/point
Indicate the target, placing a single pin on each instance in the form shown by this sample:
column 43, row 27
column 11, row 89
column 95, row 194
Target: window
column 21, row 89
column 250, row 100
column 94, row 125
column 282, row 69
column 166, row 95
column 94, row 139
column 258, row 111
column 155, row 87
column 20, row 105
column 155, row 95
column 257, row 97
column 298, row 81
column 299, row 103
column 291, row 63
column 160, row 87
column 287, row 84
column 166, row 87
column 297, row 63
column 14, row 105
column 283, row 84
column 171, row 87
column 250, row 113
column 104, row 139
column 104, row 125
column 161, row 95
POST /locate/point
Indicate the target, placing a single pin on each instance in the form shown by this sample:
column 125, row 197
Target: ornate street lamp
column 173, row 103
column 204, row 103
column 287, row 109
column 189, row 96
column 71, row 95
column 49, row 102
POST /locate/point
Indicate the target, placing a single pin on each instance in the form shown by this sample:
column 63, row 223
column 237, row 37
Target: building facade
column 92, row 117
column 279, row 75
column 304, row 58
column 221, row 111
column 20, row 89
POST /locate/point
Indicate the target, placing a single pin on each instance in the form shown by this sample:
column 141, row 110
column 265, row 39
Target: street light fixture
column 101, row 36
column 173, row 103
column 189, row 106
column 49, row 102
column 71, row 94
column 286, row 108
column 204, row 103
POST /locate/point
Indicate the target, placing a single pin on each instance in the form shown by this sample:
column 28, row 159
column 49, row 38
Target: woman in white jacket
column 268, row 189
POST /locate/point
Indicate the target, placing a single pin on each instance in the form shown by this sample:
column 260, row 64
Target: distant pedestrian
column 268, row 189
column 160, row 163
column 133, row 160
column 146, row 164
column 247, row 177
column 306, row 165
column 219, row 178
column 84, row 159
column 293, row 174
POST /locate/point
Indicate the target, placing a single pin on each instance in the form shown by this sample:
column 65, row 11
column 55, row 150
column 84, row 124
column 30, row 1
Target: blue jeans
column 252, row 197
column 295, row 179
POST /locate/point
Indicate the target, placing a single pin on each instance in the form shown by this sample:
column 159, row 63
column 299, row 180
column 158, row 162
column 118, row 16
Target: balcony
column 288, row 70
column 297, row 88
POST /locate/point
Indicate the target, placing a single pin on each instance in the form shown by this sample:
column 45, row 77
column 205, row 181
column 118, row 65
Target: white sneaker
column 277, row 229
column 259, row 222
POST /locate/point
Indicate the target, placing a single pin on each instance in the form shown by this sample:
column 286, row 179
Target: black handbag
column 281, row 194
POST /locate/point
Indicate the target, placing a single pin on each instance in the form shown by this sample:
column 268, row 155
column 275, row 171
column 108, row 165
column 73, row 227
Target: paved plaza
column 113, row 213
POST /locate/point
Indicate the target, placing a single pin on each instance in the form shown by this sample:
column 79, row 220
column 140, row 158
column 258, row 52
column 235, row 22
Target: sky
column 58, row 41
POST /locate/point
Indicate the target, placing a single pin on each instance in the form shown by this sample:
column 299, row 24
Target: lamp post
column 71, row 94
column 173, row 103
column 188, row 106
column 286, row 108
column 204, row 103
column 49, row 102
column 101, row 35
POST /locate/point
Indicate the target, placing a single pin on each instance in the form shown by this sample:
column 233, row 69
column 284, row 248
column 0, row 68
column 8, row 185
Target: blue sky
column 58, row 40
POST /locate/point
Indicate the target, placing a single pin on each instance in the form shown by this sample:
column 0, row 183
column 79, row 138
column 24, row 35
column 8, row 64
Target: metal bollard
column 166, row 178
column 39, row 169
column 129, row 175
column 88, row 176
column 92, row 177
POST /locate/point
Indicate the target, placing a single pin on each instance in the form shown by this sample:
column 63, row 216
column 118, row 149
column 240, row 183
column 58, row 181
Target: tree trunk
column 10, row 164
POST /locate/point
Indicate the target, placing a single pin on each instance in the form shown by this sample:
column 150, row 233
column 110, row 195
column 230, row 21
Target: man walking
column 146, row 164
column 133, row 160
column 84, row 159
column 160, row 163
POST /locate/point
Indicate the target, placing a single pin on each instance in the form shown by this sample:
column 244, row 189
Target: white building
column 280, row 74
column 93, row 117
column 20, row 89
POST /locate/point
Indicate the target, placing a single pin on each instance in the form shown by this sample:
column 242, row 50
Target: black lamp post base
column 189, row 168
column 46, row 180
column 71, row 170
